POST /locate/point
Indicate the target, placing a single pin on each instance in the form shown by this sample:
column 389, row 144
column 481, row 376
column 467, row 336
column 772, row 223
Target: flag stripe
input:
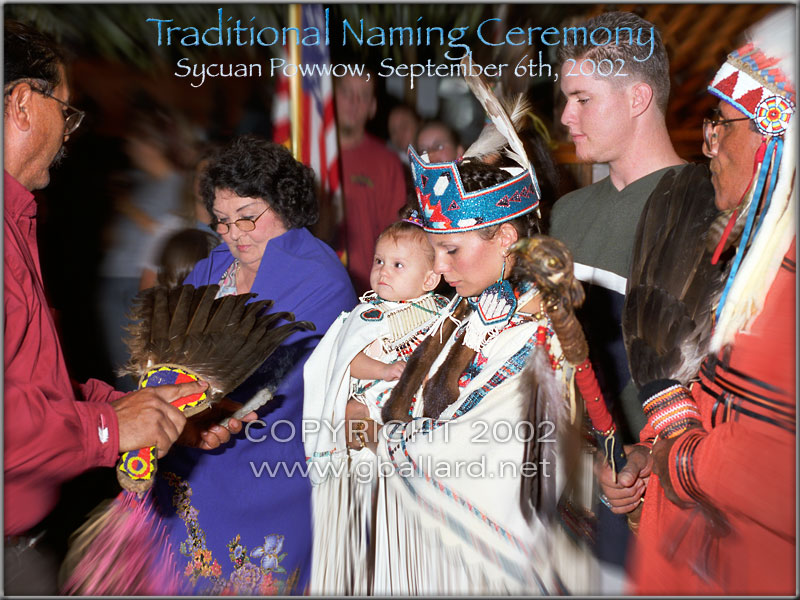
column 317, row 123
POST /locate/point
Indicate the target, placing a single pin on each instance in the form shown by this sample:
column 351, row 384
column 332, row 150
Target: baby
column 402, row 271
column 365, row 351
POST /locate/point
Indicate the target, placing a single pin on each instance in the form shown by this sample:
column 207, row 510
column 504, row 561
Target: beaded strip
column 671, row 411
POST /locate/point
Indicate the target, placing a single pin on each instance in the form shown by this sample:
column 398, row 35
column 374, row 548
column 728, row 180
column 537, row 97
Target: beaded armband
column 671, row 411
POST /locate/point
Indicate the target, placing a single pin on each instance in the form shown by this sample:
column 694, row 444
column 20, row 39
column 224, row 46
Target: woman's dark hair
column 181, row 252
column 30, row 54
column 477, row 176
column 253, row 167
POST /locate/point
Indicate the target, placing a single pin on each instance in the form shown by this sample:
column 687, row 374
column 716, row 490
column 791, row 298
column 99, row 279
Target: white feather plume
column 503, row 124
column 776, row 36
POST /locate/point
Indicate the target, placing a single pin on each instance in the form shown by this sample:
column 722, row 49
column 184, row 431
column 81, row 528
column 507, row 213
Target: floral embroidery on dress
column 258, row 576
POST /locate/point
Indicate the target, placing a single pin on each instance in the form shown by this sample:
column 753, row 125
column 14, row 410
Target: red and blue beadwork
column 446, row 207
column 754, row 83
column 140, row 464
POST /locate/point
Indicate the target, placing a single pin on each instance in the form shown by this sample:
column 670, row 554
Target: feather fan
column 222, row 340
column 673, row 288
column 122, row 550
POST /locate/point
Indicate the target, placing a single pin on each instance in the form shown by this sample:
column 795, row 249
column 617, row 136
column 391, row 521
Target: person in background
column 373, row 185
column 149, row 203
column 180, row 254
column 438, row 141
column 619, row 121
column 402, row 123
column 193, row 214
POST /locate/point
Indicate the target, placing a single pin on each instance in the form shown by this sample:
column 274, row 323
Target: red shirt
column 374, row 192
column 49, row 436
column 742, row 462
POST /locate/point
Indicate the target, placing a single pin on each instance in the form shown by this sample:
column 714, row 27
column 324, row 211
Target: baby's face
column 401, row 269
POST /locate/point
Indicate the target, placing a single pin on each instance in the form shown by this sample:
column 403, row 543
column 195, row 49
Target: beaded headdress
column 757, row 79
column 445, row 205
column 753, row 82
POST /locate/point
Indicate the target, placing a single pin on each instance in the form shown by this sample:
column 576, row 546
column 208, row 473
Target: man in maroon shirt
column 372, row 175
column 52, row 430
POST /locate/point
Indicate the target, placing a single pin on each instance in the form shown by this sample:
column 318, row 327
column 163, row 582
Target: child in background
column 359, row 360
column 181, row 252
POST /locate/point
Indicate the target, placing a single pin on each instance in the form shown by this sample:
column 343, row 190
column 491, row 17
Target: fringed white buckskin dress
column 344, row 480
column 448, row 517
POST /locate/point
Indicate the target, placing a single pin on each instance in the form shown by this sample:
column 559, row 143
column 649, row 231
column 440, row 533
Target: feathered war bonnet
column 445, row 206
column 757, row 79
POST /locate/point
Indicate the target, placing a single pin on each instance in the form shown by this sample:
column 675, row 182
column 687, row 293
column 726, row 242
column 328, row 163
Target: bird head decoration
column 548, row 263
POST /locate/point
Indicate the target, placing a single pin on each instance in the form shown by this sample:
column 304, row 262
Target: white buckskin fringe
column 342, row 513
column 417, row 554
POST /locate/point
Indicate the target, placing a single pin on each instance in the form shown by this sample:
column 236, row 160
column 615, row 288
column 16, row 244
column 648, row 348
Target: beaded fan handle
column 136, row 469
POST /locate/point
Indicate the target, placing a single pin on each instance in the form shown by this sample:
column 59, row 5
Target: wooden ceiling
column 698, row 37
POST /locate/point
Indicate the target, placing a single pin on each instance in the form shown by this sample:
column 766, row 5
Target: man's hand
column 625, row 494
column 146, row 417
column 204, row 431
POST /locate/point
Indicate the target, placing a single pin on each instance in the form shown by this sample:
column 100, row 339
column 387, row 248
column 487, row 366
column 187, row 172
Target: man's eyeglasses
column 434, row 148
column 710, row 135
column 244, row 224
column 72, row 116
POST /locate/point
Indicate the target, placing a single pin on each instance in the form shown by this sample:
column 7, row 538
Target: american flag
column 313, row 112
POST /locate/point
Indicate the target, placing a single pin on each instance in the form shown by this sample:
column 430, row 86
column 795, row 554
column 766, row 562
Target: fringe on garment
column 418, row 554
column 342, row 513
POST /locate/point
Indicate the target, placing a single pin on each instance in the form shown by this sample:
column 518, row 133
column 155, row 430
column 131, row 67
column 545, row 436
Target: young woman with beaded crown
column 359, row 361
column 455, row 508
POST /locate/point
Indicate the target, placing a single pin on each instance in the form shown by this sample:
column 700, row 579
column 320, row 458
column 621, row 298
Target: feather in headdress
column 502, row 122
column 491, row 142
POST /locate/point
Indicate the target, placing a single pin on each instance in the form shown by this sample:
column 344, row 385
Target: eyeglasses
column 244, row 224
column 434, row 148
column 710, row 135
column 73, row 116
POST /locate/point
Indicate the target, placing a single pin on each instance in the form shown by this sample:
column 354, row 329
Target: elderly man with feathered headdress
column 716, row 466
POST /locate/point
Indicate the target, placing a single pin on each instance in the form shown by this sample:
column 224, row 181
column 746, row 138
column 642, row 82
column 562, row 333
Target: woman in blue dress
column 239, row 517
